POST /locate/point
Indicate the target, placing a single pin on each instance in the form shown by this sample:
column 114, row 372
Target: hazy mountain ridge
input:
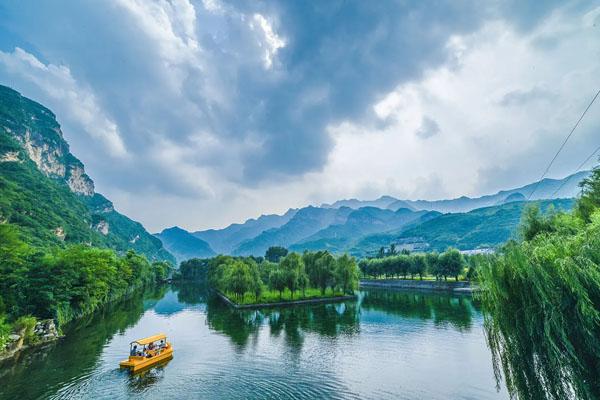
column 544, row 190
column 304, row 223
column 45, row 189
column 360, row 228
column 227, row 239
column 184, row 245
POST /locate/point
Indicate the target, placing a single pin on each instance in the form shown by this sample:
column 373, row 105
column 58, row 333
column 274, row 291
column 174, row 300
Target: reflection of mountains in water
column 440, row 308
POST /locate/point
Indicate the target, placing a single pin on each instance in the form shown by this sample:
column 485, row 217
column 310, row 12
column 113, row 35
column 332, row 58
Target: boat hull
column 137, row 363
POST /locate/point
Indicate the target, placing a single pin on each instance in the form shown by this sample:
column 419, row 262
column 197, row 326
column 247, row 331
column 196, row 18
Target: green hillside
column 364, row 221
column 480, row 228
column 45, row 192
column 46, row 212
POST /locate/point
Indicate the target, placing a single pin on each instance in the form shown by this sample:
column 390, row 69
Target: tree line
column 291, row 272
column 65, row 282
column 450, row 263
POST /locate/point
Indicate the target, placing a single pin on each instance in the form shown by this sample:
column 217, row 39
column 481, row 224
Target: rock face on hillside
column 35, row 128
column 57, row 200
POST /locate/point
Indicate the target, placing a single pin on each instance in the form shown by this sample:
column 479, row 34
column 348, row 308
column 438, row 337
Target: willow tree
column 541, row 301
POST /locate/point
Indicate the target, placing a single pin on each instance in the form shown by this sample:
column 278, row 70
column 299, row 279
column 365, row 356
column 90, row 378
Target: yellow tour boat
column 147, row 352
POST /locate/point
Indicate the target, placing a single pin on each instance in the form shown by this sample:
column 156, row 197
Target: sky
column 203, row 113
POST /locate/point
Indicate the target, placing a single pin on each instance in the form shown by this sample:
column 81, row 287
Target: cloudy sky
column 202, row 113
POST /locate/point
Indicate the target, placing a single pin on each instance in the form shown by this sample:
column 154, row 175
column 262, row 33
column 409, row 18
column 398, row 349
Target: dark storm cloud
column 164, row 87
column 348, row 52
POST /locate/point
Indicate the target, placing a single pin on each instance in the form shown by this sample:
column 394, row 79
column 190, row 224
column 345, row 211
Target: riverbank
column 42, row 333
column 446, row 286
column 317, row 300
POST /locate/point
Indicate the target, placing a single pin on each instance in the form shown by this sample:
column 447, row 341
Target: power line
column 563, row 145
column 576, row 170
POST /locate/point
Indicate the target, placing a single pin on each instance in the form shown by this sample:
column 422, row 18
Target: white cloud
column 79, row 102
column 270, row 41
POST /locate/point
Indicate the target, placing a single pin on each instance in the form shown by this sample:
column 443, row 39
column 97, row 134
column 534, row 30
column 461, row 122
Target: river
column 386, row 345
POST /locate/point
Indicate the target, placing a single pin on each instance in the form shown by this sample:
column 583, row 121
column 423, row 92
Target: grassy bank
column 273, row 296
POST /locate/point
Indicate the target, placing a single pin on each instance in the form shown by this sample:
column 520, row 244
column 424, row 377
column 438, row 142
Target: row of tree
column 65, row 282
column 450, row 263
column 294, row 272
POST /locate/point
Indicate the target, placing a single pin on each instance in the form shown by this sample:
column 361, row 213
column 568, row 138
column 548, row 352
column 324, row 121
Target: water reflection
column 324, row 319
column 74, row 356
column 442, row 309
column 368, row 348
column 144, row 380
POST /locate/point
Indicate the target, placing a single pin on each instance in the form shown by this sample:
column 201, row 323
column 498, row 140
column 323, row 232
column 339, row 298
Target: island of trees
column 278, row 277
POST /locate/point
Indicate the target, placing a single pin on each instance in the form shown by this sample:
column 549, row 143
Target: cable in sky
column 576, row 170
column 563, row 145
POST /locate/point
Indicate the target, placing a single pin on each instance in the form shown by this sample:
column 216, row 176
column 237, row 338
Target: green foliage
column 449, row 263
column 194, row 269
column 346, row 274
column 5, row 329
column 541, row 299
column 243, row 278
column 275, row 253
column 25, row 325
column 66, row 282
column 590, row 196
column 46, row 211
column 534, row 223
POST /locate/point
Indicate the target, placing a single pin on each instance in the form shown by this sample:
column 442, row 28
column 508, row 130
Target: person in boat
column 134, row 351
column 162, row 344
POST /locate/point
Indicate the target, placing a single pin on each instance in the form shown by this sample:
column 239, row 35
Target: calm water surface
column 386, row 345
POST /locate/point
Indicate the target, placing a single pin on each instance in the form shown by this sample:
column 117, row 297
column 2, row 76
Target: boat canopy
column 150, row 339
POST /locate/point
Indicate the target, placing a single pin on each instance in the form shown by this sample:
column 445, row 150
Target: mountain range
column 361, row 227
column 46, row 193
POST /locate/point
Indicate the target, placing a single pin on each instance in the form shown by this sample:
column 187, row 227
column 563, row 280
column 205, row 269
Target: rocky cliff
column 46, row 190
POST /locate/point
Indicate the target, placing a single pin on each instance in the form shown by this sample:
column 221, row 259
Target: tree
column 293, row 267
column 452, row 263
column 403, row 264
column 275, row 253
column 534, row 223
column 277, row 281
column 418, row 265
column 161, row 270
column 590, row 196
column 432, row 260
column 238, row 278
column 256, row 285
column 393, row 251
column 346, row 273
column 322, row 274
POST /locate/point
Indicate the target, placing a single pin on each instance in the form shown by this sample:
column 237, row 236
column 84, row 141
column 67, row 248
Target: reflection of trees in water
column 329, row 320
column 236, row 324
column 441, row 308
column 77, row 353
column 191, row 292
